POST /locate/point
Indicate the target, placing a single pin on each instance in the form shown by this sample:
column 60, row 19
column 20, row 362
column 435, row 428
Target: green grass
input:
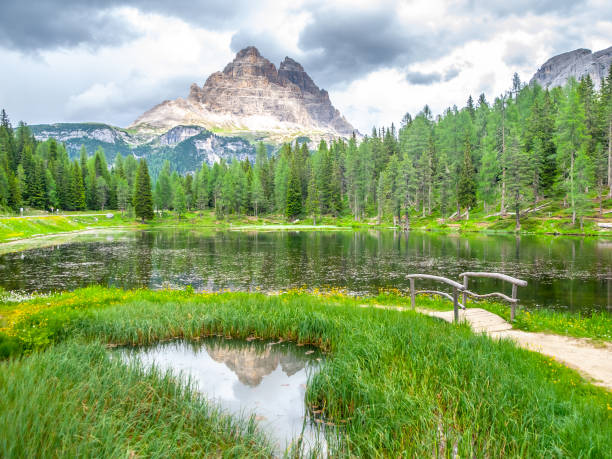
column 558, row 223
column 396, row 383
column 596, row 325
column 76, row 401
column 12, row 229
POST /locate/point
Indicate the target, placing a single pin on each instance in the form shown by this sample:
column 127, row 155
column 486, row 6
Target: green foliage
column 180, row 202
column 143, row 200
column 467, row 186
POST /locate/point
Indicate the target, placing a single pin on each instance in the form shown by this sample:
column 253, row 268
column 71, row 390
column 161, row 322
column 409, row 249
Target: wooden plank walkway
column 481, row 320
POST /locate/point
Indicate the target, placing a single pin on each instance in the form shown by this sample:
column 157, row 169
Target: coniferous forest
column 500, row 157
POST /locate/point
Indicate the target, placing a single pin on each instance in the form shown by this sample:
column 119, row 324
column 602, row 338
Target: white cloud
column 115, row 82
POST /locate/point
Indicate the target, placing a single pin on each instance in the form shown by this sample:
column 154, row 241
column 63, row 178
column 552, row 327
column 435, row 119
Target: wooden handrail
column 504, row 277
column 450, row 282
column 513, row 280
column 463, row 288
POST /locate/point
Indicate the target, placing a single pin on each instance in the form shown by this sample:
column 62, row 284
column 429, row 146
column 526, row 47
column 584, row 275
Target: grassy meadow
column 395, row 383
column 552, row 219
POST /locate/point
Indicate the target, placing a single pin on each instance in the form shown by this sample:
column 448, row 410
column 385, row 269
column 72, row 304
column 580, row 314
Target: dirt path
column 593, row 361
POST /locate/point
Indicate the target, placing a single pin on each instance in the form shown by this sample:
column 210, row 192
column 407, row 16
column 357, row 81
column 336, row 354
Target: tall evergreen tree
column 143, row 199
column 467, row 185
column 294, row 190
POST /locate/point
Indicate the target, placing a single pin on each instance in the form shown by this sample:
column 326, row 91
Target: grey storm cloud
column 50, row 24
column 344, row 45
column 421, row 78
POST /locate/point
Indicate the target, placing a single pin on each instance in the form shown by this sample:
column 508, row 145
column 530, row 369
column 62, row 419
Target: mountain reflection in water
column 267, row 380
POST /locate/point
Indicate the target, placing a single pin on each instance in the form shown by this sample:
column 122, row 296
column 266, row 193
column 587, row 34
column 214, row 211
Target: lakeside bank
column 394, row 382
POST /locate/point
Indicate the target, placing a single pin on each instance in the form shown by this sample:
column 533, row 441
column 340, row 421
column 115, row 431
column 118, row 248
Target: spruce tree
column 313, row 203
column 78, row 189
column 294, row 191
column 467, row 184
column 143, row 200
column 179, row 201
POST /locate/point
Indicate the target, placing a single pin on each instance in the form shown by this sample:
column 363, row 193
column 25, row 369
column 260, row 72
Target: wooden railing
column 463, row 288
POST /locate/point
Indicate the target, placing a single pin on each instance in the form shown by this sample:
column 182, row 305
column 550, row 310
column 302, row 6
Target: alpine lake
column 563, row 273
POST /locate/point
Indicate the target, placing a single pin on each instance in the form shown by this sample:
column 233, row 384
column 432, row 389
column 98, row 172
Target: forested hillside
column 499, row 157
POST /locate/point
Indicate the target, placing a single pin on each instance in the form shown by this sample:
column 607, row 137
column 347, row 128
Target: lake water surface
column 563, row 272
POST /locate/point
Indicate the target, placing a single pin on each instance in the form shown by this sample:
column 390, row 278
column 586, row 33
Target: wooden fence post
column 514, row 289
column 412, row 294
column 465, row 287
column 456, row 304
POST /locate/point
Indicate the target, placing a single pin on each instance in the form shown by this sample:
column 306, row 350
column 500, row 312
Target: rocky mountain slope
column 186, row 147
column 578, row 63
column 251, row 96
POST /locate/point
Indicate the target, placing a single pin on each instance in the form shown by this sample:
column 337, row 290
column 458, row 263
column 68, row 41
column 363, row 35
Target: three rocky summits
column 252, row 95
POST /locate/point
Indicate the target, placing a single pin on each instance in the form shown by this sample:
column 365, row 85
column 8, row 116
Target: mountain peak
column 248, row 52
column 250, row 94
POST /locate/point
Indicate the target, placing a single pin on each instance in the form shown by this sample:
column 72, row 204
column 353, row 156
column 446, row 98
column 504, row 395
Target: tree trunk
column 518, row 216
column 503, row 194
column 600, row 197
column 572, row 197
column 458, row 211
column 503, row 160
column 314, row 219
column 581, row 222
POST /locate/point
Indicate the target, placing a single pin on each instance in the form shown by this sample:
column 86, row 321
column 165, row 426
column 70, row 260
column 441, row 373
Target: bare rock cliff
column 250, row 94
column 578, row 63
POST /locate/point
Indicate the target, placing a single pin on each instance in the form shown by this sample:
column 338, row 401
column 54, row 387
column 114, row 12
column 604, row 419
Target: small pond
column 263, row 379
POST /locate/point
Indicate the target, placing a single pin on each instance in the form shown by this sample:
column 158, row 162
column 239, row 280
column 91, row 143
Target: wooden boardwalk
column 481, row 320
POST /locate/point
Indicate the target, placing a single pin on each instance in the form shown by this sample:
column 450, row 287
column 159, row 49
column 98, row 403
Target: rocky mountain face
column 578, row 63
column 251, row 95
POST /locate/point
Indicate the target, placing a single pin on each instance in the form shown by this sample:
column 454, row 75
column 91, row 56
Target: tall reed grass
column 395, row 383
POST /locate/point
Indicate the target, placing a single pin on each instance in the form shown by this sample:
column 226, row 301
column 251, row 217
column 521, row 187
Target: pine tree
column 143, row 200
column 467, row 185
column 294, row 191
column 570, row 137
column 179, row 202
column 313, row 203
column 78, row 189
column 519, row 177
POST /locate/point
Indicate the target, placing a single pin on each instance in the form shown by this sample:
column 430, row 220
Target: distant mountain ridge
column 186, row 147
column 251, row 95
column 578, row 63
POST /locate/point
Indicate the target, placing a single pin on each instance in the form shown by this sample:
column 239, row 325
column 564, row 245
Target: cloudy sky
column 110, row 60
